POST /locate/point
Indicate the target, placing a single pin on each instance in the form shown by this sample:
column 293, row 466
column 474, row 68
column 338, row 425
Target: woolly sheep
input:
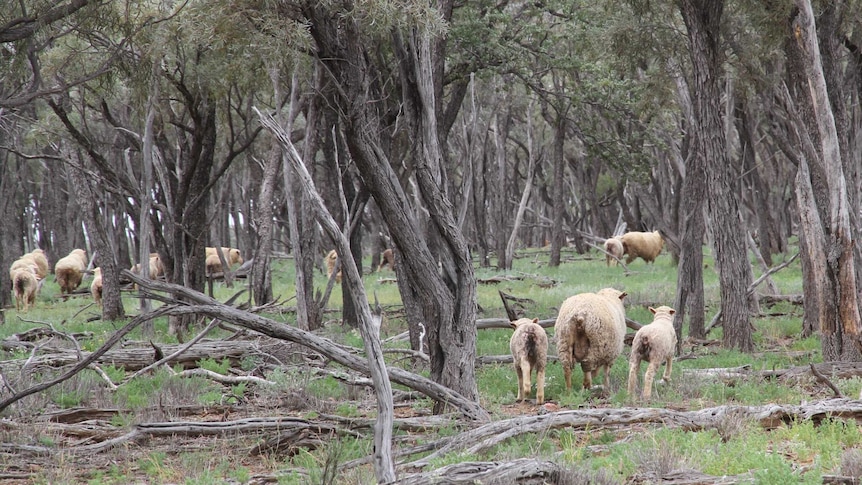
column 24, row 262
column 24, row 285
column 96, row 286
column 69, row 270
column 529, row 347
column 41, row 261
column 231, row 255
column 646, row 245
column 654, row 343
column 614, row 248
column 387, row 259
column 155, row 267
column 590, row 329
column 331, row 257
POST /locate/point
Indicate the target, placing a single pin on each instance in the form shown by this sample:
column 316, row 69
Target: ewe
column 590, row 330
column 646, row 245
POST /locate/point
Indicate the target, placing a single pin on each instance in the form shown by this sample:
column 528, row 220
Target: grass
column 793, row 453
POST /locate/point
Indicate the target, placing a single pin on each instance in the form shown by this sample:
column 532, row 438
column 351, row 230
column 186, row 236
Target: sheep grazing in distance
column 614, row 248
column 646, row 245
column 154, row 267
column 529, row 346
column 24, row 285
column 387, row 259
column 590, row 329
column 96, row 286
column 331, row 257
column 69, row 270
column 654, row 343
column 231, row 255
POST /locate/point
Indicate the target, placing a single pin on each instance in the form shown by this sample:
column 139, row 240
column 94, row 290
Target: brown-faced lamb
column 24, row 285
column 387, row 259
column 529, row 346
column 614, row 250
column 646, row 245
column 331, row 257
column 590, row 329
column 96, row 286
column 69, row 270
column 654, row 343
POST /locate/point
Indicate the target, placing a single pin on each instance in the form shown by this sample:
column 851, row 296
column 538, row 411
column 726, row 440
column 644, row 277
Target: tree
column 703, row 22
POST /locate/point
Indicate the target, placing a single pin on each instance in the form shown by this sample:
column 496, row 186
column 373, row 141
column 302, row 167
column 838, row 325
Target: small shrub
column 851, row 463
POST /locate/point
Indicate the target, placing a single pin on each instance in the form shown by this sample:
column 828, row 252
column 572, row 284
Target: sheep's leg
column 634, row 368
column 526, row 385
column 565, row 355
column 540, row 385
column 607, row 369
column 667, row 369
column 648, row 378
column 520, row 374
column 588, row 375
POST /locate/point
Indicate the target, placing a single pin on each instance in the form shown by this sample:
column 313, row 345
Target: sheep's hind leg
column 525, row 378
column 588, row 376
column 633, row 377
column 668, row 369
column 540, row 385
column 648, row 378
column 520, row 373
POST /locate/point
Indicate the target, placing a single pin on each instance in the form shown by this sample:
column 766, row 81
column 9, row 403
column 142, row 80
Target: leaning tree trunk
column 841, row 337
column 703, row 21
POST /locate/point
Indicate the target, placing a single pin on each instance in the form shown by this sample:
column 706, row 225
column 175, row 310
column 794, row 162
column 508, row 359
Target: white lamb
column 529, row 346
column 654, row 343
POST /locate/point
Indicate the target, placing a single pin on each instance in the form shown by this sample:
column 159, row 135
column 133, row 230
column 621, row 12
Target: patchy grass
column 792, row 453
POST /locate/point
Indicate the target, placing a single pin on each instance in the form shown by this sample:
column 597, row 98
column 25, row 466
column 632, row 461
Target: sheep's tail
column 21, row 283
column 531, row 343
column 644, row 348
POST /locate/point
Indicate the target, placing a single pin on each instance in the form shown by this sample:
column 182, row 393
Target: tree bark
column 703, row 21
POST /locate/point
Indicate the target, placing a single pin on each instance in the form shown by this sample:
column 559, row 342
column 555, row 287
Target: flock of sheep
column 28, row 272
column 590, row 329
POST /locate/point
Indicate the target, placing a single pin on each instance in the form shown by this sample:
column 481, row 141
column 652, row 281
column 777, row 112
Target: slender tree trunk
column 703, row 21
column 557, row 233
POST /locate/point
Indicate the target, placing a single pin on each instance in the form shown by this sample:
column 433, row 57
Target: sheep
column 24, row 262
column 331, row 257
column 646, row 245
column 590, row 329
column 529, row 347
column 654, row 343
column 155, row 267
column 387, row 259
column 96, row 286
column 69, row 270
column 41, row 261
column 24, row 285
column 614, row 250
column 231, row 255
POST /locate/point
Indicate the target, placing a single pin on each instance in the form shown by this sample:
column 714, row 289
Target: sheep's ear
column 623, row 295
column 535, row 320
column 672, row 311
column 652, row 310
column 513, row 324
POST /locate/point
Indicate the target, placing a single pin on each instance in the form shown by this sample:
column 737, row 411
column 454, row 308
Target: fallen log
column 520, row 471
column 214, row 309
column 769, row 416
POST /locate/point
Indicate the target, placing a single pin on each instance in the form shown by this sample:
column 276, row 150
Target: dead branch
column 223, row 379
column 820, row 377
column 769, row 416
column 214, row 309
column 521, row 471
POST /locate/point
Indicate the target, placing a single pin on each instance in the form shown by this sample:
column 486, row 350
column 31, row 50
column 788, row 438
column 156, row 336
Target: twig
column 820, row 377
column 221, row 378
column 104, row 376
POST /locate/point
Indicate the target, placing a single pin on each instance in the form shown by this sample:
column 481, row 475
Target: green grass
column 770, row 456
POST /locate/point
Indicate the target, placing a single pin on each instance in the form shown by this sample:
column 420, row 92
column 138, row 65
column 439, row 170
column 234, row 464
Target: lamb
column 646, row 245
column 654, row 343
column 590, row 329
column 69, row 270
column 155, row 267
column 529, row 346
column 387, row 259
column 331, row 257
column 24, row 285
column 96, row 286
column 614, row 248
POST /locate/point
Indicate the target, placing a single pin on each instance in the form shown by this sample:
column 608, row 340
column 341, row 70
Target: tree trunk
column 841, row 337
column 557, row 233
column 703, row 21
column 112, row 302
